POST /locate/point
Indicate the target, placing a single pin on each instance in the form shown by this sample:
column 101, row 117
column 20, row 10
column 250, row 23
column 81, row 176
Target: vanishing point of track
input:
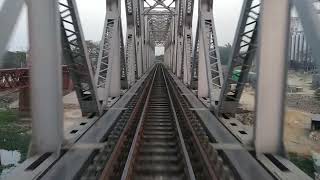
column 158, row 137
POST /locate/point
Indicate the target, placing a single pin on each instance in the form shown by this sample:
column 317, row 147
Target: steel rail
column 105, row 175
column 128, row 166
column 128, row 170
column 210, row 159
column 184, row 149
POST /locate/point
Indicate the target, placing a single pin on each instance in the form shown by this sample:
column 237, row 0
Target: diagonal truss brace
column 242, row 56
column 76, row 57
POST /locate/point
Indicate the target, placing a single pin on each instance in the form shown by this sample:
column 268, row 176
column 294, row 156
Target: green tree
column 13, row 60
column 225, row 52
column 93, row 52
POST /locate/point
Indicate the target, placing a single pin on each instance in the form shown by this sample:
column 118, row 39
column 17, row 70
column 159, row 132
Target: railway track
column 158, row 138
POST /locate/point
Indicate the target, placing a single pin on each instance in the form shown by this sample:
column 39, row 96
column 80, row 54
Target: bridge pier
column 24, row 102
column 24, row 95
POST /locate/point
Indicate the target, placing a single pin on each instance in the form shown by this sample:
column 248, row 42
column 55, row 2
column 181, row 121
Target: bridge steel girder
column 134, row 40
column 174, row 54
column 179, row 33
column 187, row 42
column 271, row 87
column 130, row 49
column 242, row 55
column 210, row 76
column 145, row 44
column 172, row 48
column 139, row 24
column 195, row 63
column 108, row 73
column 76, row 56
column 124, row 84
column 187, row 57
column 160, row 30
column 46, row 77
column 131, row 57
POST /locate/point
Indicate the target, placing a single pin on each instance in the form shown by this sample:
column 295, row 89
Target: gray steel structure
column 242, row 55
column 300, row 53
column 126, row 61
column 76, row 56
column 206, row 63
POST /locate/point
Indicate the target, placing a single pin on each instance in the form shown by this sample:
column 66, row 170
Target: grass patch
column 14, row 135
column 305, row 163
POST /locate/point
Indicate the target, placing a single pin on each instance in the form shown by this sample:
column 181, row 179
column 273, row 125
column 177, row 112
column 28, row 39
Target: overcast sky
column 92, row 14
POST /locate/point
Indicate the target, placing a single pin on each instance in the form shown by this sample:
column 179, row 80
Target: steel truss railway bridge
column 148, row 119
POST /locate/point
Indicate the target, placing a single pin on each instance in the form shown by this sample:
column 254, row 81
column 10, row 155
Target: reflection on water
column 9, row 157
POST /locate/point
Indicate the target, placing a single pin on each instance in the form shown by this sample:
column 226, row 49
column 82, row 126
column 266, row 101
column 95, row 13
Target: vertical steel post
column 294, row 46
column 145, row 44
column 108, row 73
column 187, row 52
column 115, row 85
column 187, row 57
column 210, row 83
column 271, row 76
column 298, row 47
column 302, row 49
column 203, row 85
column 179, row 56
column 46, row 76
column 173, row 45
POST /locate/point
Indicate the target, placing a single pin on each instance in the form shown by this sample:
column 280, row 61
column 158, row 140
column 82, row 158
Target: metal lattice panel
column 187, row 60
column 124, row 67
column 159, row 16
column 213, row 59
column 105, row 55
column 105, row 59
column 210, row 76
column 130, row 59
column 75, row 54
column 130, row 49
column 243, row 53
column 194, row 65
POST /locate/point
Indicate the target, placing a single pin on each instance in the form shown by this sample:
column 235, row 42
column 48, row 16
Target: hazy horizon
column 92, row 14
